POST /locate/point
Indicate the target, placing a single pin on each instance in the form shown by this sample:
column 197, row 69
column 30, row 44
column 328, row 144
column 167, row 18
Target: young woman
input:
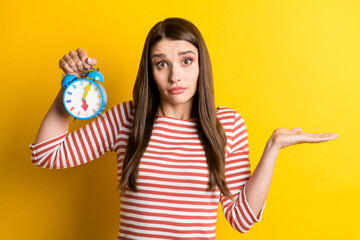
column 177, row 154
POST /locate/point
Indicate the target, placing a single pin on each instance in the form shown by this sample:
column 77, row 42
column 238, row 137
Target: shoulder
column 230, row 119
column 124, row 109
column 226, row 114
column 128, row 106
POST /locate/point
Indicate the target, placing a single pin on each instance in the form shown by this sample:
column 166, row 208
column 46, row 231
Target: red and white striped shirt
column 172, row 201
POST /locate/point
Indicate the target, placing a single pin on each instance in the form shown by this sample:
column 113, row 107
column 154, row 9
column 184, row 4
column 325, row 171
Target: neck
column 179, row 111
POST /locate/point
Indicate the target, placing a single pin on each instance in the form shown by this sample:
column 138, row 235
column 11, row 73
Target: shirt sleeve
column 237, row 173
column 82, row 145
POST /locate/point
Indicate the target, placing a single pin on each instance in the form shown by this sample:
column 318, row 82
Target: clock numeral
column 71, row 108
column 68, row 101
column 70, row 93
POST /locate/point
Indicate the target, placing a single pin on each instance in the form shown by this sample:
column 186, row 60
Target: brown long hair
column 147, row 100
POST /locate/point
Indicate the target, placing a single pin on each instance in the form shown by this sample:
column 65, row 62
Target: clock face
column 84, row 99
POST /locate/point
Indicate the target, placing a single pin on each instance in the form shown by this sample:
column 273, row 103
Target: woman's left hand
column 283, row 137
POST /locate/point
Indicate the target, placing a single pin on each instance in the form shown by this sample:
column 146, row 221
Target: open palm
column 283, row 137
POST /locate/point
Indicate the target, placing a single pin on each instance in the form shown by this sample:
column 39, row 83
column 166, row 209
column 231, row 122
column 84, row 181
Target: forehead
column 175, row 46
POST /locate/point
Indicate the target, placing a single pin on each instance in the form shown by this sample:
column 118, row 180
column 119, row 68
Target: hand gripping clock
column 84, row 98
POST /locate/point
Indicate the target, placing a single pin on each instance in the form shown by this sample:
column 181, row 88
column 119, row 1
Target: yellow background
column 278, row 63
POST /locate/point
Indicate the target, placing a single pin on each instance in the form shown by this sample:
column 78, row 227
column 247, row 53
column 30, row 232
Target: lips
column 176, row 90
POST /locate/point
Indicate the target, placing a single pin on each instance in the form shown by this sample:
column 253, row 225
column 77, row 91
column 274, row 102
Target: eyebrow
column 180, row 53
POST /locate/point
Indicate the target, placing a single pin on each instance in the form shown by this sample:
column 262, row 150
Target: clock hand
column 87, row 89
column 84, row 106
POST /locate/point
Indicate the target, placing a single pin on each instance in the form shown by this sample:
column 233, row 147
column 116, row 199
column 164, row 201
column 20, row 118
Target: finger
column 70, row 62
column 326, row 135
column 77, row 61
column 91, row 61
column 321, row 137
column 83, row 56
column 65, row 66
column 77, row 74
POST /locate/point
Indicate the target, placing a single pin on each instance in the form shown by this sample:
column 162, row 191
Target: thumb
column 91, row 61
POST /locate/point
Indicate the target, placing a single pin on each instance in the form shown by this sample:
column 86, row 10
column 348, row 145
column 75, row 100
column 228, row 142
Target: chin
column 178, row 99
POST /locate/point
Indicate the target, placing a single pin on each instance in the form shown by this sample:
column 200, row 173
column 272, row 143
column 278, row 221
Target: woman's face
column 175, row 70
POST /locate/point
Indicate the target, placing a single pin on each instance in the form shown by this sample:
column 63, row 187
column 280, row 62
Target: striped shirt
column 172, row 201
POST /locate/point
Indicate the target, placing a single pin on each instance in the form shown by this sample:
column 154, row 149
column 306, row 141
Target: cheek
column 160, row 82
column 158, row 77
column 194, row 78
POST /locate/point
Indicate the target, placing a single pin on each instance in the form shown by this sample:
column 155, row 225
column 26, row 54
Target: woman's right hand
column 77, row 63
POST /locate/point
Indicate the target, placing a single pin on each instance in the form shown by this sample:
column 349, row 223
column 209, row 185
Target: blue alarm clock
column 84, row 98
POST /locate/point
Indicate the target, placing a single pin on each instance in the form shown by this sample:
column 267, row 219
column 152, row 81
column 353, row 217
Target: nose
column 175, row 74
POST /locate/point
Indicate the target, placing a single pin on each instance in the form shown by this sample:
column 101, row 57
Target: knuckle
column 72, row 52
column 62, row 63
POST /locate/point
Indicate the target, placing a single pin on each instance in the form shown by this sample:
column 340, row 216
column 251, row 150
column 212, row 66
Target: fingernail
column 89, row 60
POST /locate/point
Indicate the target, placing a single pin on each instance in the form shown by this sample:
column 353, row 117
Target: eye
column 161, row 64
column 187, row 61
